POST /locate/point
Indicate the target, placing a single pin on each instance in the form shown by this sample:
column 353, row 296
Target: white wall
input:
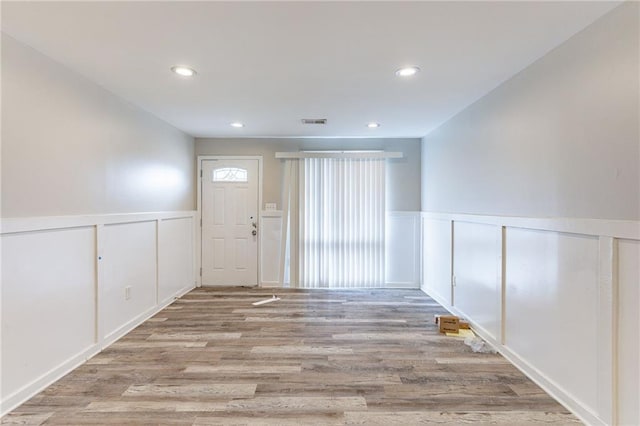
column 475, row 250
column 436, row 261
column 531, row 208
column 70, row 147
column 270, row 239
column 129, row 262
column 560, row 139
column 403, row 189
column 73, row 154
column 48, row 309
column 175, row 256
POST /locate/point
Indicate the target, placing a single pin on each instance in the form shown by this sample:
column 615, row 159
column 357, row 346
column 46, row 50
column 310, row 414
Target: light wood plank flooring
column 312, row 358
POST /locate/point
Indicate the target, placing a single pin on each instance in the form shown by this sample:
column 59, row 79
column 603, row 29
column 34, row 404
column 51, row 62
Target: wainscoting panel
column 48, row 304
column 175, row 257
column 270, row 236
column 403, row 249
column 477, row 291
column 558, row 297
column 63, row 288
column 436, row 269
column 551, row 306
column 628, row 337
column 129, row 286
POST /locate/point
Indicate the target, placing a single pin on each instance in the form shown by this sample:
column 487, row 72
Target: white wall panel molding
column 552, row 311
column 628, row 229
column 63, row 288
column 271, row 235
column 477, row 285
column 176, row 259
column 113, row 336
column 627, row 317
column 551, row 386
column 437, row 248
column 26, row 224
column 14, row 399
column 403, row 232
column 130, row 280
column 48, row 308
column 566, row 293
column 607, row 294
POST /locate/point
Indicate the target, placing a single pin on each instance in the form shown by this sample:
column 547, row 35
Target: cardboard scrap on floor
column 448, row 323
column 451, row 324
column 462, row 333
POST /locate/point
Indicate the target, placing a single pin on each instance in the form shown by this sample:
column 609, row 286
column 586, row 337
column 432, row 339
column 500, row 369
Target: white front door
column 230, row 222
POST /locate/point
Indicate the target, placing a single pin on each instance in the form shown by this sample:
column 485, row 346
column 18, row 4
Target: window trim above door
column 198, row 230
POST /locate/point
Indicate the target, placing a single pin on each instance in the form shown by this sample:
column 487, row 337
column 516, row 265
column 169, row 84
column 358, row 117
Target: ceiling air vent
column 314, row 121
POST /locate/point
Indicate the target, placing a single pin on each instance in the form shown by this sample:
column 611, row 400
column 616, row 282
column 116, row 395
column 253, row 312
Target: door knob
column 254, row 232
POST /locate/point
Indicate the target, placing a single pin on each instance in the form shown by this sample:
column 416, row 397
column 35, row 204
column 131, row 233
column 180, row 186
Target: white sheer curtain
column 336, row 211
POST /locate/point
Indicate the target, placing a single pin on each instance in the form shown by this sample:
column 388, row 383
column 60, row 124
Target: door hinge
column 200, row 173
column 200, row 271
column 200, row 222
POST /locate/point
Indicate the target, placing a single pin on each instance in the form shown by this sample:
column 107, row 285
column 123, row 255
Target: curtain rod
column 339, row 154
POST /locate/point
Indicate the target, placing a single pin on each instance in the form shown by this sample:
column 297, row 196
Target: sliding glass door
column 336, row 221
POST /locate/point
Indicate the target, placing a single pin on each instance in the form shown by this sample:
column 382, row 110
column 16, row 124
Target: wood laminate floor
column 312, row 358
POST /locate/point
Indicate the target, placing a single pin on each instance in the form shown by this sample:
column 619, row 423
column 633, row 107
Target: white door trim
column 200, row 159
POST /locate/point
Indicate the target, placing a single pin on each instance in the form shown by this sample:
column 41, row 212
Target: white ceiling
column 270, row 64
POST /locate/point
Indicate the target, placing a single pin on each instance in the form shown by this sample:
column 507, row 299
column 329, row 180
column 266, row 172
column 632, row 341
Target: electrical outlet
column 127, row 292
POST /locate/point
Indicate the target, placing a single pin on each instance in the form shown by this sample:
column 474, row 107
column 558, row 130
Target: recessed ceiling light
column 407, row 72
column 373, row 125
column 183, row 71
column 237, row 124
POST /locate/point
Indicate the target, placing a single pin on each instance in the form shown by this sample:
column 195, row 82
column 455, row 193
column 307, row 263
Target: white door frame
column 200, row 159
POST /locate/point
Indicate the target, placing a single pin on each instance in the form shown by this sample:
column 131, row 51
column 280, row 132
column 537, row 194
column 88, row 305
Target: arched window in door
column 230, row 174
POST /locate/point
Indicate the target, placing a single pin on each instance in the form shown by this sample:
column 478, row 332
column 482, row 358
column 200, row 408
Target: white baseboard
column 527, row 369
column 30, row 390
column 435, row 296
column 413, row 285
column 139, row 319
column 549, row 386
column 177, row 295
column 438, row 298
